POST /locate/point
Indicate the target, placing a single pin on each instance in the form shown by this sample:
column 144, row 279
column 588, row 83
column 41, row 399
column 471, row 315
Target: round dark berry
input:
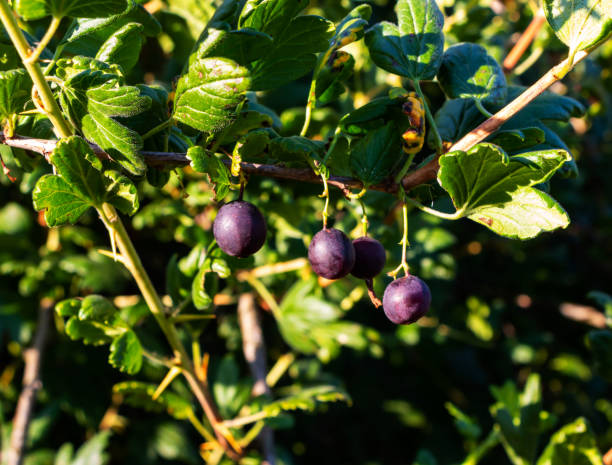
column 406, row 300
column 370, row 258
column 331, row 254
column 239, row 229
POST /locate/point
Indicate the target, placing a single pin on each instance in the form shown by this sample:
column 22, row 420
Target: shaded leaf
column 413, row 48
column 468, row 71
column 374, row 157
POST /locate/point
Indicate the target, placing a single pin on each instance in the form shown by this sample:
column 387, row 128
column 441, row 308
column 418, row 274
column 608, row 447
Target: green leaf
column 207, row 96
column 68, row 307
column 307, row 399
column 467, row 426
column 600, row 343
column 61, row 203
column 310, row 325
column 15, row 90
column 496, row 190
column 513, row 140
column 121, row 192
column 140, row 394
column 230, row 393
column 123, row 47
column 242, row 46
column 351, row 28
column 580, row 24
column 96, row 308
column 36, row 9
column 86, row 36
column 79, row 185
column 121, row 143
column 296, row 41
column 413, row 48
column 425, row 457
column 217, row 172
column 201, row 299
column 468, row 71
column 92, row 452
column 372, row 115
column 126, row 353
column 333, row 73
column 91, row 333
column 295, row 149
column 374, row 157
column 520, row 419
column 574, row 444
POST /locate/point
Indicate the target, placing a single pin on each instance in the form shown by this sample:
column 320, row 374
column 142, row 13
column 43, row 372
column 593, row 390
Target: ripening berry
column 239, row 229
column 406, row 300
column 331, row 254
column 370, row 258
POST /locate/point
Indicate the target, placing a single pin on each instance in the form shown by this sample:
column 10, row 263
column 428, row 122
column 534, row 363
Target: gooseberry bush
column 297, row 210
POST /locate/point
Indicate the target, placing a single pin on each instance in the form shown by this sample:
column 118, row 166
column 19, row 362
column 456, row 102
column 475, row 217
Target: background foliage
column 436, row 389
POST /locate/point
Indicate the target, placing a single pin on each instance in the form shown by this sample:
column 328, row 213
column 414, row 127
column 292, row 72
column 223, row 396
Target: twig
column 254, row 349
column 422, row 175
column 275, row 268
column 31, row 385
column 524, row 41
column 498, row 119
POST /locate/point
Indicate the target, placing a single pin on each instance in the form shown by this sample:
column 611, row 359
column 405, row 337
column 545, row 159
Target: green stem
column 477, row 454
column 446, row 216
column 405, row 168
column 132, row 262
column 52, row 29
column 404, row 242
column 279, row 369
column 482, row 109
column 309, row 106
column 333, row 144
column 364, row 218
column 158, row 128
column 430, row 119
column 265, row 294
column 51, row 108
column 326, row 195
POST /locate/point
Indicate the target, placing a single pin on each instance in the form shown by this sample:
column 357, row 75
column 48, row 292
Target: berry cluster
column 240, row 231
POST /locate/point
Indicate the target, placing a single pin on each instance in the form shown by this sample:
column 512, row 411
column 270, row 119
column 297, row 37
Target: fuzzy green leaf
column 92, row 452
column 126, row 353
column 36, row 9
column 580, row 24
column 496, row 190
column 79, row 185
column 468, row 71
column 413, row 48
column 207, row 96
column 123, row 47
column 218, row 174
column 90, row 332
column 121, row 143
column 86, row 36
